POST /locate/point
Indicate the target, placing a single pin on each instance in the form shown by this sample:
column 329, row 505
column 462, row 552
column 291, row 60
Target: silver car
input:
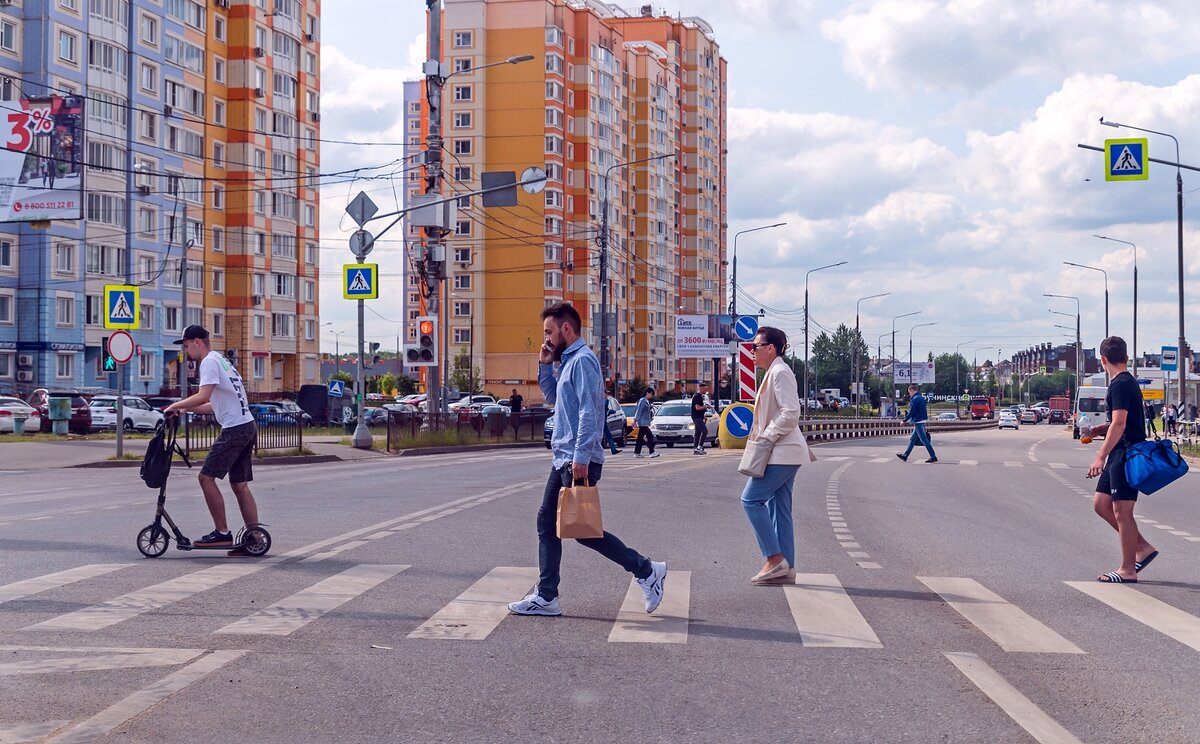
column 672, row 424
column 137, row 414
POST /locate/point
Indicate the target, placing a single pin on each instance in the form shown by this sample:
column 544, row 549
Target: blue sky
column 931, row 144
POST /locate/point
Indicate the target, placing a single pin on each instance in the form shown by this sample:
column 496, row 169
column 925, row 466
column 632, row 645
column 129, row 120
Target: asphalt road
column 953, row 602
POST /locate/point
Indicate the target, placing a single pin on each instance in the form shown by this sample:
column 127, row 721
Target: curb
column 452, row 449
column 290, row 460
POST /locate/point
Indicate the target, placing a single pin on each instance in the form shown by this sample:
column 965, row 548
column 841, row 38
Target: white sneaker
column 653, row 585
column 655, row 454
column 639, row 454
column 533, row 604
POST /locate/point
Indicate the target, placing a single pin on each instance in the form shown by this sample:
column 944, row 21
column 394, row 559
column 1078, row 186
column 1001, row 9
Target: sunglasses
column 756, row 347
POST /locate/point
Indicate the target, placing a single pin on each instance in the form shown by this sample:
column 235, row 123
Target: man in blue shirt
column 641, row 419
column 577, row 393
column 917, row 415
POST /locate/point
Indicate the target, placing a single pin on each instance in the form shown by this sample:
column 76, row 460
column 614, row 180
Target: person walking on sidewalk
column 222, row 394
column 917, row 415
column 577, row 394
column 767, row 501
column 1149, row 413
column 641, row 419
column 1115, row 499
column 699, row 410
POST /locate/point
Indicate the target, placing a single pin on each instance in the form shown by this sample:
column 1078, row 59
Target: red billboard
column 41, row 164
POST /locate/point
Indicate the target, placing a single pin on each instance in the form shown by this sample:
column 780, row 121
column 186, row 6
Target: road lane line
column 1021, row 709
column 477, row 611
column 968, row 462
column 668, row 624
column 882, row 459
column 1160, row 616
column 36, row 585
column 1060, row 466
column 1008, row 625
column 292, row 613
column 826, row 616
column 868, row 564
column 1011, row 464
column 1180, row 533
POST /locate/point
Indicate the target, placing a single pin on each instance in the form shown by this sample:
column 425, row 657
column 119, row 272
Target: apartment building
column 626, row 112
column 199, row 126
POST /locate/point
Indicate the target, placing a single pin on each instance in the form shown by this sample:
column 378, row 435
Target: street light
column 1078, row 339
column 810, row 272
column 1179, row 216
column 1135, row 288
column 879, row 367
column 910, row 339
column 892, row 392
column 733, row 304
column 855, row 372
column 337, row 346
column 1102, row 271
column 957, row 390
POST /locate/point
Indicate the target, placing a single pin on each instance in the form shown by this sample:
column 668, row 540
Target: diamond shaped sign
column 361, row 209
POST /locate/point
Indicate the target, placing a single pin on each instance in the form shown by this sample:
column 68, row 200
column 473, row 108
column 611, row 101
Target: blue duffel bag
column 1152, row 464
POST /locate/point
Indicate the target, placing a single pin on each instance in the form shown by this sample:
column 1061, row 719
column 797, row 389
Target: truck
column 983, row 407
column 1062, row 404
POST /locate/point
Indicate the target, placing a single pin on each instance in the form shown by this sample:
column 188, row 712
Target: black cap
column 192, row 333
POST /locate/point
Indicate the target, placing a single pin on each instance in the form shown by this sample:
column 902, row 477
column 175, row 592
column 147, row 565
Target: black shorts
column 1112, row 478
column 232, row 454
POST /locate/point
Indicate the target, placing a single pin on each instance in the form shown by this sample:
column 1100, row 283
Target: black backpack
column 156, row 465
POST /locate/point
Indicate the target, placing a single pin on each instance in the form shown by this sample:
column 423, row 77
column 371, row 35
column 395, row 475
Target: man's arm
column 193, row 402
column 585, row 378
column 1116, row 429
column 548, row 383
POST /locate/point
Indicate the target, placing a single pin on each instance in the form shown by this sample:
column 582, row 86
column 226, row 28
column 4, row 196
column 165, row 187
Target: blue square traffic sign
column 1126, row 160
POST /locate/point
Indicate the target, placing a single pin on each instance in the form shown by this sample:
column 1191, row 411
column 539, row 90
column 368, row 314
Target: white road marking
column 668, row 624
column 1180, row 533
column 968, row 462
column 25, row 588
column 94, row 659
column 1021, row 709
column 837, row 458
column 1010, row 464
column 17, row 733
column 826, row 616
column 1168, row 620
column 850, row 545
column 838, row 524
column 1060, row 466
column 858, row 554
column 868, row 564
column 882, row 459
column 477, row 611
column 292, row 613
column 1192, row 539
column 318, row 557
column 1164, row 527
column 1008, row 625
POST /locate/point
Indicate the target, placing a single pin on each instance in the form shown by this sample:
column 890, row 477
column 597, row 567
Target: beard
column 559, row 347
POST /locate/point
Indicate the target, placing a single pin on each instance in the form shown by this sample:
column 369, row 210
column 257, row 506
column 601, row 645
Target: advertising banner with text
column 41, row 163
column 922, row 373
column 702, row 336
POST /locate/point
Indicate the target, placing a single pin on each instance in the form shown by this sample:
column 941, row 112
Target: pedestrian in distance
column 918, row 415
column 576, row 391
column 699, row 411
column 223, row 395
column 1169, row 418
column 641, row 419
column 1149, row 413
column 515, row 401
column 767, row 501
column 1115, row 499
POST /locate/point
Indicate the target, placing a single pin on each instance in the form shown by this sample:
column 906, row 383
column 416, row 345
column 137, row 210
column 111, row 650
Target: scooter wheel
column 152, row 541
column 256, row 541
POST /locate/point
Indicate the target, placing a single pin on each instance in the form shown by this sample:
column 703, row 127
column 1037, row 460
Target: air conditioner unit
column 6, row 2
column 23, row 375
column 259, row 92
column 25, row 360
column 316, row 116
column 256, row 299
column 308, row 37
column 167, row 110
column 143, row 188
column 260, row 52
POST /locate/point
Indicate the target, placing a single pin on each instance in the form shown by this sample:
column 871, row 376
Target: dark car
column 1058, row 416
column 290, row 406
column 81, row 414
column 159, row 402
column 615, row 419
column 267, row 415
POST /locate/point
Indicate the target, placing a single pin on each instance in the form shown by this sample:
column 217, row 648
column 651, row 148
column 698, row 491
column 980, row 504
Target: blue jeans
column 920, row 436
column 550, row 546
column 768, row 504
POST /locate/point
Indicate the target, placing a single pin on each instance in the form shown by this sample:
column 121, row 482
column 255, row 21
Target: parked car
column 630, row 409
column 159, row 402
column 472, row 401
column 81, row 415
column 404, row 412
column 946, row 416
column 267, row 415
column 1058, row 416
column 672, row 424
column 136, row 413
column 290, row 406
column 615, row 420
column 1007, row 421
column 10, row 407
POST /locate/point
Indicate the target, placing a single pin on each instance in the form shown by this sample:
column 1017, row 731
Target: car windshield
column 629, row 408
column 675, row 409
column 1091, row 405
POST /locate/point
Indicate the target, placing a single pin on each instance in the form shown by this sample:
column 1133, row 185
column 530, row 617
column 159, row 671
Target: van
column 1090, row 401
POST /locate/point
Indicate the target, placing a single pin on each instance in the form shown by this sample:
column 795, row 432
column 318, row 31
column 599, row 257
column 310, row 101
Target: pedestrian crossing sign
column 360, row 281
column 121, row 307
column 1127, row 159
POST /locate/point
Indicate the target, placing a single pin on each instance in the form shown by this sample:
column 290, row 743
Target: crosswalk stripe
column 1008, row 625
column 38, row 584
column 289, row 615
column 1168, row 620
column 881, row 459
column 1021, row 709
column 477, row 611
column 837, row 458
column 968, row 462
column 826, row 616
column 1059, row 466
column 1011, row 464
column 668, row 624
column 151, row 598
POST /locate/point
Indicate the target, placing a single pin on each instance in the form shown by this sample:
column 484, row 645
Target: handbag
column 1152, row 464
column 579, row 512
column 755, row 458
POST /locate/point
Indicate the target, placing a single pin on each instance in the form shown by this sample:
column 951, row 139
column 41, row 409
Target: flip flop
column 1112, row 577
column 1139, row 565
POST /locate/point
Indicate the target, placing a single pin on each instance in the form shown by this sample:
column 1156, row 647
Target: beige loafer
column 778, row 571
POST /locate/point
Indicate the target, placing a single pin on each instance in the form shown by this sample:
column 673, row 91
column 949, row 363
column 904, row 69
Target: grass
column 443, row 438
column 105, row 436
column 199, row 454
column 126, row 457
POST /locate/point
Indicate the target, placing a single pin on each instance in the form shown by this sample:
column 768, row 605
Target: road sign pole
column 362, row 436
column 120, row 411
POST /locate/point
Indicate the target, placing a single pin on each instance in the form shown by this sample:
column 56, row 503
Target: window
column 148, row 28
column 6, row 254
column 146, row 317
column 463, row 92
column 6, row 364
column 218, row 197
column 554, row 280
column 310, row 215
column 554, row 36
column 260, row 203
column 92, row 307
column 284, row 285
column 283, row 325
column 462, row 64
column 145, row 222
column 148, row 125
column 218, row 281
column 8, row 35
column 462, row 147
column 6, row 309
column 67, row 47
column 463, row 227
column 218, row 69
column 462, row 255
column 64, row 311
column 260, row 367
column 260, row 324
column 554, row 91
column 219, row 154
column 310, row 330
column 260, row 161
column 310, row 253
column 259, row 284
column 462, row 335
column 148, row 78
column 462, row 173
column 171, row 319
column 219, row 112
column 462, row 119
column 310, row 291
column 218, row 324
column 218, row 239
column 462, row 281
column 146, row 366
column 463, row 39
column 64, row 367
column 219, row 28
column 462, row 309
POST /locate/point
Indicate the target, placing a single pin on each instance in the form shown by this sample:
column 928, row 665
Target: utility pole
column 435, row 247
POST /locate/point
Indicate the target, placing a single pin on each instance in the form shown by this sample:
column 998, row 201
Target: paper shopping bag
column 579, row 513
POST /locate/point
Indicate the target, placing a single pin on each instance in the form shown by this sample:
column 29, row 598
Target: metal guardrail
column 275, row 432
column 825, row 430
column 524, row 426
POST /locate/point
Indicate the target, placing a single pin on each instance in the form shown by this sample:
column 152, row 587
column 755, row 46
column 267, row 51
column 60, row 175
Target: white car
column 10, row 407
column 946, row 416
column 137, row 413
column 473, row 400
column 672, row 424
column 1008, row 420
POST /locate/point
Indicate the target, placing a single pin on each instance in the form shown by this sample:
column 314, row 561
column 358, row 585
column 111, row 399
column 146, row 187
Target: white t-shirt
column 229, row 394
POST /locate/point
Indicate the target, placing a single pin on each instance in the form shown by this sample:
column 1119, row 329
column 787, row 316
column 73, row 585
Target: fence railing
column 275, row 432
column 524, row 426
column 823, row 430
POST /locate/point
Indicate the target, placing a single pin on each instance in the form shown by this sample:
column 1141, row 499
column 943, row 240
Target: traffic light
column 424, row 353
column 108, row 363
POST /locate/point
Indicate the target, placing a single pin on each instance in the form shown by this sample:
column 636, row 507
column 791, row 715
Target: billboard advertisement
column 41, row 164
column 702, row 336
column 922, row 373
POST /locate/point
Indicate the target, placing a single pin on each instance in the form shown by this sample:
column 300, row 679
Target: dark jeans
column 608, row 440
column 644, row 435
column 701, row 432
column 550, row 546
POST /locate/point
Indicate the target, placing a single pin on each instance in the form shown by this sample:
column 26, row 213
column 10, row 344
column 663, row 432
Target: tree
column 944, row 374
column 343, row 376
column 463, row 376
column 405, row 385
column 634, row 390
column 387, row 384
column 833, row 358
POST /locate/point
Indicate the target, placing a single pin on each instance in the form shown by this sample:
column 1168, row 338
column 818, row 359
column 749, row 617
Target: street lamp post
column 957, row 389
column 810, row 272
column 879, row 368
column 855, row 372
column 1135, row 292
column 733, row 306
column 910, row 342
column 1105, row 273
column 892, row 392
column 1179, row 218
column 1078, row 339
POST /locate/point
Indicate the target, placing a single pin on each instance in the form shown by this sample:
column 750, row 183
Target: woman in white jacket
column 768, row 500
